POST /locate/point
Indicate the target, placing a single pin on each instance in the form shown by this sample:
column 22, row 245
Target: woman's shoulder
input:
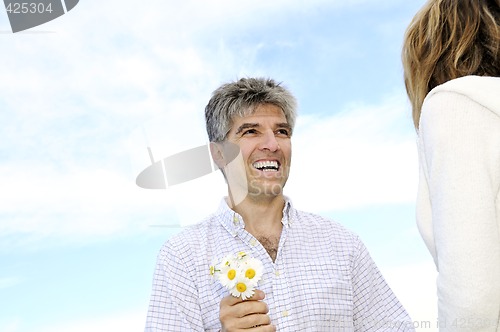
column 483, row 90
column 462, row 114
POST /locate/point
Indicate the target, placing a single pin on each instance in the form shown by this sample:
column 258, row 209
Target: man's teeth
column 266, row 165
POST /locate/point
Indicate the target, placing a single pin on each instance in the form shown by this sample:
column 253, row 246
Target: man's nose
column 269, row 142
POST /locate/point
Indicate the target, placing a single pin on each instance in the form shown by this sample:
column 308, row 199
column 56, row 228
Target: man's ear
column 216, row 150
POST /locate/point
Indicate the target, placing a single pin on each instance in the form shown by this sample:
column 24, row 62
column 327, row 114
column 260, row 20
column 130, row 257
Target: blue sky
column 83, row 96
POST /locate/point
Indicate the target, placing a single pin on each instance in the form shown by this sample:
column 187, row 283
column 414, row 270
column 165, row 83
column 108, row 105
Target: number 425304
column 28, row 7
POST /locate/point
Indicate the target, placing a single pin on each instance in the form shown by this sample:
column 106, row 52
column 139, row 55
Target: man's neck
column 262, row 216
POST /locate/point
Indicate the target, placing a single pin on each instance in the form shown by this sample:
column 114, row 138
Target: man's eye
column 249, row 131
column 284, row 132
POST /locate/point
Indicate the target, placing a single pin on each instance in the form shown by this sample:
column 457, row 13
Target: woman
column 451, row 60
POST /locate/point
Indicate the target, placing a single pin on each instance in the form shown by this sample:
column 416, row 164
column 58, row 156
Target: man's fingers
column 231, row 300
column 243, row 308
column 265, row 328
column 254, row 320
column 258, row 295
column 250, row 308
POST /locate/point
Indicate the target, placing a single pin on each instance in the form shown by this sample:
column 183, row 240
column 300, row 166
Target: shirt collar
column 233, row 221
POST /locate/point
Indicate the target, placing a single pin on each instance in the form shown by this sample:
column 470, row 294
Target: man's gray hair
column 240, row 98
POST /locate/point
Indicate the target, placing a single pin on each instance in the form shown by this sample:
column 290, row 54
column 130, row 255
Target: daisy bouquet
column 239, row 273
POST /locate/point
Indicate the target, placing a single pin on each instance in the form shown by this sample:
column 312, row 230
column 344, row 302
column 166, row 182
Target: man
column 318, row 276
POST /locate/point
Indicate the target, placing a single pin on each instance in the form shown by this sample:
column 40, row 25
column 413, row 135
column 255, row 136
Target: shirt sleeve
column 461, row 151
column 376, row 308
column 174, row 304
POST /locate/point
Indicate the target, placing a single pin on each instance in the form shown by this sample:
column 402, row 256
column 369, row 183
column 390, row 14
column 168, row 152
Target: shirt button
column 277, row 273
column 253, row 242
column 284, row 313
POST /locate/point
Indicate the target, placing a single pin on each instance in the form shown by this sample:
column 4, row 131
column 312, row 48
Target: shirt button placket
column 282, row 298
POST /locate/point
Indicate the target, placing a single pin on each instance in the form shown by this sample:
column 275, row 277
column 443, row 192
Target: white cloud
column 415, row 287
column 9, row 282
column 10, row 325
column 365, row 155
column 191, row 15
column 132, row 321
column 41, row 204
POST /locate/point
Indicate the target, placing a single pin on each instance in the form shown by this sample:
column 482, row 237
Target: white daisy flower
column 243, row 288
column 252, row 269
column 228, row 275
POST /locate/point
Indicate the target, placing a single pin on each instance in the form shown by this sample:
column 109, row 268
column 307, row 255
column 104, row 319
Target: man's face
column 265, row 149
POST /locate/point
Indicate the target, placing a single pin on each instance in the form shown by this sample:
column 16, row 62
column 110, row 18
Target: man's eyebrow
column 284, row 125
column 246, row 126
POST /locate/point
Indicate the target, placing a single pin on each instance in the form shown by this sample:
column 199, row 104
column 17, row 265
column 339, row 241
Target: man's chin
column 269, row 189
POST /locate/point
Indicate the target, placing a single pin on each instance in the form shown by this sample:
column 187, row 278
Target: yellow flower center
column 241, row 287
column 250, row 273
column 231, row 274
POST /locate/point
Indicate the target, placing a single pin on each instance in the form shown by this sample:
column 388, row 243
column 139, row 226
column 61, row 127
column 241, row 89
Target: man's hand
column 236, row 314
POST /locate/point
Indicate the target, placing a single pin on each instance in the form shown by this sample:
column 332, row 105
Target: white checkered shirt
column 323, row 278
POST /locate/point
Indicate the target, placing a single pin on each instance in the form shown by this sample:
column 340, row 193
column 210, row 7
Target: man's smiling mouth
column 267, row 166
